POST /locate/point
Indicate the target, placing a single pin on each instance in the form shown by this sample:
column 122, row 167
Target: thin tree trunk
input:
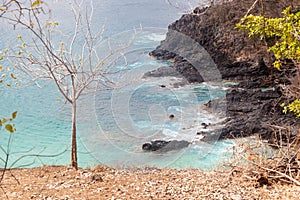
column 74, row 141
column 74, row 115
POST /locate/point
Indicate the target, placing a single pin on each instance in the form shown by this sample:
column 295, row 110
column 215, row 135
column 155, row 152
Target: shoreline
column 249, row 111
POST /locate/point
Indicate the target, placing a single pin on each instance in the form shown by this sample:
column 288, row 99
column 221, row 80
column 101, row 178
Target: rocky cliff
column 253, row 106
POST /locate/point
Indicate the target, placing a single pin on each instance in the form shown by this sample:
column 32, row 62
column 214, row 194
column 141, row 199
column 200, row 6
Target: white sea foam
column 156, row 37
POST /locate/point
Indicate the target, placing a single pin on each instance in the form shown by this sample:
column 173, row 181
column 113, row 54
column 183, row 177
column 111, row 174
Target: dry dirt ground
column 144, row 183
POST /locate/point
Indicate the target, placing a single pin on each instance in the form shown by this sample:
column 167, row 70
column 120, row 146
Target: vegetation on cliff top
column 283, row 39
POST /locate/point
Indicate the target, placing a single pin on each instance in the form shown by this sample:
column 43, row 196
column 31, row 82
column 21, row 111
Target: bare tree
column 73, row 64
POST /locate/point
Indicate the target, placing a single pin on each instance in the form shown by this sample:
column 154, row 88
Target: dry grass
column 268, row 165
column 146, row 183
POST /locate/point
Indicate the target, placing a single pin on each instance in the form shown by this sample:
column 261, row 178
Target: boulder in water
column 164, row 146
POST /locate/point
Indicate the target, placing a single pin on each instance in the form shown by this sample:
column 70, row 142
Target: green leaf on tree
column 13, row 76
column 36, row 3
column 14, row 115
column 10, row 128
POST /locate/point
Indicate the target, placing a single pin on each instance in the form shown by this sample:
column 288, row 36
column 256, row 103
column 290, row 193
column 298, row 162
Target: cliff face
column 250, row 108
column 214, row 29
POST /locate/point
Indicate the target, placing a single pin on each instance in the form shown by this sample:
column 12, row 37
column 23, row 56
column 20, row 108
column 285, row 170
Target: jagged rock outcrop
column 253, row 105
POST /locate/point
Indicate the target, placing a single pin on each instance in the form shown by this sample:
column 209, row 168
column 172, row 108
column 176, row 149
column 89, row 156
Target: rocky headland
column 253, row 105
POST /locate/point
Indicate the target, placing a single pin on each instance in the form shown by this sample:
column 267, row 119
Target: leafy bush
column 283, row 35
column 292, row 107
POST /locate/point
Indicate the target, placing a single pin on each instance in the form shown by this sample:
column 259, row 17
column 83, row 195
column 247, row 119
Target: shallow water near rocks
column 113, row 124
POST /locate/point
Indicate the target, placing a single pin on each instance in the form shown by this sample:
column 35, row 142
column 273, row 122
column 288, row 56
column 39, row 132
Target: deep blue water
column 113, row 124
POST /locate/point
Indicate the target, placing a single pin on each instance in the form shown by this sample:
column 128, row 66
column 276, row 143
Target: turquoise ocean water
column 113, row 124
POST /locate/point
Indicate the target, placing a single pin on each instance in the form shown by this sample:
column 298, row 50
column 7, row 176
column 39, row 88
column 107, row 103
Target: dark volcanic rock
column 165, row 146
column 237, row 56
column 253, row 105
column 162, row 54
column 163, row 71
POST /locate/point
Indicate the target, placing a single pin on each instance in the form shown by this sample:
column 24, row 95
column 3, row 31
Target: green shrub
column 283, row 35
